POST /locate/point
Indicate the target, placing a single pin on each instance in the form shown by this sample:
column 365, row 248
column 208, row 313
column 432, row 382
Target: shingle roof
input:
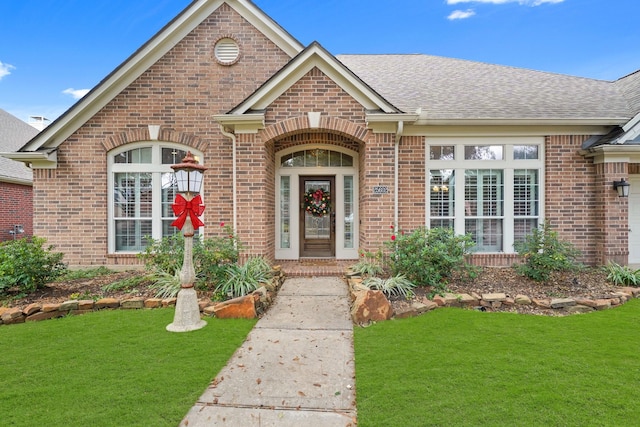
column 14, row 133
column 446, row 88
column 630, row 88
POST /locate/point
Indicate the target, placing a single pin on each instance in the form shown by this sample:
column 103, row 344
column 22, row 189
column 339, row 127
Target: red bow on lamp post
column 183, row 208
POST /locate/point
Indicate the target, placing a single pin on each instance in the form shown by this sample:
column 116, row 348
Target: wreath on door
column 317, row 202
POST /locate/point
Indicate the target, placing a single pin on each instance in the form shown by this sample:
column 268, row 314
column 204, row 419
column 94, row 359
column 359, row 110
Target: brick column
column 255, row 196
column 376, row 210
column 612, row 214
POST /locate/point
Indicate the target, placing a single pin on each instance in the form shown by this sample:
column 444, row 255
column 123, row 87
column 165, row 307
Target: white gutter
column 233, row 179
column 399, row 131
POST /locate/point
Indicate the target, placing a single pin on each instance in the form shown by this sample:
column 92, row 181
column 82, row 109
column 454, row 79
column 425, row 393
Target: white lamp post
column 187, row 207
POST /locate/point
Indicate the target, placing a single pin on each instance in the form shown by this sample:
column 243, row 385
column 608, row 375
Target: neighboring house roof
column 448, row 89
column 14, row 133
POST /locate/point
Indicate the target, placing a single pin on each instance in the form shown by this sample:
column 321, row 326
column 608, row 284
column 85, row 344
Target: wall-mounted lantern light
column 622, row 187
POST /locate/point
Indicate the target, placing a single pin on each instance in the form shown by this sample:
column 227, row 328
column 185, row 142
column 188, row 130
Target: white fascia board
column 241, row 123
column 35, row 159
column 550, row 121
column 631, row 123
column 18, row 181
column 312, row 58
column 466, row 131
column 613, row 154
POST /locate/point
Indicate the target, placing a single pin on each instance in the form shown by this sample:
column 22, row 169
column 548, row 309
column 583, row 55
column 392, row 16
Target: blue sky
column 53, row 51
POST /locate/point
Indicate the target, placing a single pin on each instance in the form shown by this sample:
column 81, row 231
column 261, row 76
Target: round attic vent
column 226, row 51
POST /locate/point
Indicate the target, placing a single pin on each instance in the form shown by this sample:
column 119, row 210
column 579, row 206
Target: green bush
column 244, row 279
column 622, row 275
column 28, row 265
column 370, row 264
column 211, row 256
column 543, row 252
column 427, row 257
column 393, row 286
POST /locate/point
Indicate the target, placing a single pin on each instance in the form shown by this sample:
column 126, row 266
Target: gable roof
column 41, row 150
column 453, row 89
column 314, row 56
column 14, row 133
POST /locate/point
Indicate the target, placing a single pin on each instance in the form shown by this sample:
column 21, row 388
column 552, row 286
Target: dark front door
column 317, row 217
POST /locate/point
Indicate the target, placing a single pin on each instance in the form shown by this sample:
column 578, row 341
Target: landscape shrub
column 427, row 257
column 542, row 252
column 246, row 278
column 28, row 265
column 393, row 286
column 622, row 275
column 211, row 256
column 370, row 264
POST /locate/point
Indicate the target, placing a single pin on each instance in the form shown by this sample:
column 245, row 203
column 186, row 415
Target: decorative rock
column 12, row 316
column 69, row 305
column 202, row 304
column 45, row 315
column 579, row 309
column 107, row 303
column 85, row 304
column 31, row 308
column 468, row 300
column 635, row 292
column 496, row 304
column 50, row 307
column 494, row 297
column 476, row 296
column 439, row 300
column 542, row 303
column 603, row 304
column 562, row 302
column 237, row 308
column 509, row 301
column 452, row 300
column 586, row 302
column 133, row 303
column 153, row 303
column 522, row 300
column 370, row 306
column 405, row 312
column 209, row 310
column 168, row 302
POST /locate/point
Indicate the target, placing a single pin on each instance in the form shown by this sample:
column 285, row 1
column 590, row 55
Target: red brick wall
column 572, row 194
column 180, row 92
column 16, row 208
column 412, row 183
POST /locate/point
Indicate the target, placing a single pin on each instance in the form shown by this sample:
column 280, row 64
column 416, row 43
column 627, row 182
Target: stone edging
column 249, row 306
column 376, row 311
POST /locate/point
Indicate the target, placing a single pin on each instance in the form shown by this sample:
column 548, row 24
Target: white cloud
column 76, row 93
column 5, row 69
column 461, row 14
column 522, row 2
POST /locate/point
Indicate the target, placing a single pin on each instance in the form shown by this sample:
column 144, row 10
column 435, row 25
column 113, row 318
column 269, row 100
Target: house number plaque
column 380, row 189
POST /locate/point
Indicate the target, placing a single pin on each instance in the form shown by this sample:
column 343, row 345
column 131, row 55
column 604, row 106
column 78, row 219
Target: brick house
column 397, row 140
column 16, row 194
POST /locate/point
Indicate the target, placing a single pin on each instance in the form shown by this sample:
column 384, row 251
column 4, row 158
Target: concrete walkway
column 296, row 367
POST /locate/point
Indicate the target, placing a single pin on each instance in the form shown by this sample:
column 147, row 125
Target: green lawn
column 454, row 367
column 111, row 368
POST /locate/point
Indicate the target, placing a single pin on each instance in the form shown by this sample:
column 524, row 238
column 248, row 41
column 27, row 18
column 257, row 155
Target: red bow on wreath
column 183, row 207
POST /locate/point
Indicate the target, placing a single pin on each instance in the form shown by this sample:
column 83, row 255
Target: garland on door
column 317, row 202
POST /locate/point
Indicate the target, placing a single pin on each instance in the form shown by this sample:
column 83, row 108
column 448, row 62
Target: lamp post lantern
column 187, row 207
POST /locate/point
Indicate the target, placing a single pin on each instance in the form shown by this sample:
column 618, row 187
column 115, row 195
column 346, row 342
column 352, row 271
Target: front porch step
column 315, row 267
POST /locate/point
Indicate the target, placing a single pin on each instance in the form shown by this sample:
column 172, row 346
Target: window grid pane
column 442, row 193
column 348, row 212
column 285, row 216
column 484, row 205
column 483, row 152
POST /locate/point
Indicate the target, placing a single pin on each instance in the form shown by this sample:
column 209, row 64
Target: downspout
column 232, row 136
column 399, row 131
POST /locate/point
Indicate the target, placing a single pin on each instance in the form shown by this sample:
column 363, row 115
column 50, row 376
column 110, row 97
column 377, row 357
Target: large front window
column 142, row 190
column 486, row 187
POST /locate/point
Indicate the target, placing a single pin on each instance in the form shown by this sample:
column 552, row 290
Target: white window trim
column 508, row 165
column 156, row 168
